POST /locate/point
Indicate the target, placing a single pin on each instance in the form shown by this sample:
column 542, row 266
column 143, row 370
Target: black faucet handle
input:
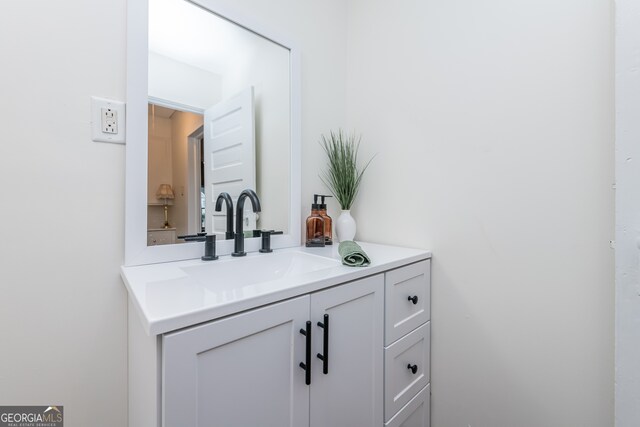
column 200, row 237
column 266, row 240
column 210, row 248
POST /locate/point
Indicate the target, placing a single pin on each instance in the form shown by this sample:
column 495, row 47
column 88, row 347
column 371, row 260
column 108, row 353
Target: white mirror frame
column 136, row 250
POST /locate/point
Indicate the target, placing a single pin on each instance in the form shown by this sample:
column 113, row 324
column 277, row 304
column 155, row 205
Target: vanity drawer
column 161, row 237
column 407, row 299
column 401, row 384
column 416, row 413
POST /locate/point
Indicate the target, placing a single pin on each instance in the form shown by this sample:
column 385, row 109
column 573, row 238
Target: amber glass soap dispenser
column 328, row 236
column 315, row 226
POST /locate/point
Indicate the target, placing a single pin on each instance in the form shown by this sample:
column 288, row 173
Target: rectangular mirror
column 219, row 113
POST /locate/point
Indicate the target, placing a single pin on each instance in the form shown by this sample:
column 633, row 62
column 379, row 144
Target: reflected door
column 229, row 156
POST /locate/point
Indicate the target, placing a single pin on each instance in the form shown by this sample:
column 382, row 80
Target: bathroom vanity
column 292, row 338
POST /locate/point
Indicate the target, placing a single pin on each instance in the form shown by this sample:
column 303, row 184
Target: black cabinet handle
column 412, row 368
column 413, row 299
column 306, row 365
column 325, row 345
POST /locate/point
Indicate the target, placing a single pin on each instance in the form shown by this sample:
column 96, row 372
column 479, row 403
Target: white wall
column 627, row 208
column 62, row 303
column 182, row 83
column 493, row 124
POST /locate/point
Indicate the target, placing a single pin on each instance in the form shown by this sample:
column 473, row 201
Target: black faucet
column 227, row 198
column 238, row 247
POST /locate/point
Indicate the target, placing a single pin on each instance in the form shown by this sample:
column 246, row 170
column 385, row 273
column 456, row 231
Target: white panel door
column 350, row 393
column 240, row 371
column 229, row 156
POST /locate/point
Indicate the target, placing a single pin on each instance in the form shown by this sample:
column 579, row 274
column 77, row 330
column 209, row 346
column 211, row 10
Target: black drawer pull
column 412, row 368
column 306, row 365
column 413, row 299
column 325, row 344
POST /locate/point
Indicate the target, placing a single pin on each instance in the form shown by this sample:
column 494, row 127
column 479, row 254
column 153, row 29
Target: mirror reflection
column 219, row 121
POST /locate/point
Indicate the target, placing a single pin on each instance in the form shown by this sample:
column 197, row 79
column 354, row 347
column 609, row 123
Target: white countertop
column 167, row 298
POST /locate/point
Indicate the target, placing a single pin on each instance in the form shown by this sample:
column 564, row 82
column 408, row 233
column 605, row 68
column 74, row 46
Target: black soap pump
column 315, row 226
column 328, row 236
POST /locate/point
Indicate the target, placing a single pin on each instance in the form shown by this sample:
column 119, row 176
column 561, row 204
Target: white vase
column 345, row 226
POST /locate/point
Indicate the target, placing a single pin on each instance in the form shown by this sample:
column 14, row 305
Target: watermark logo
column 31, row 416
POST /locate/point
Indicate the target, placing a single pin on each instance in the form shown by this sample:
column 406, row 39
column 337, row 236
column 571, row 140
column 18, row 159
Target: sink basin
column 239, row 272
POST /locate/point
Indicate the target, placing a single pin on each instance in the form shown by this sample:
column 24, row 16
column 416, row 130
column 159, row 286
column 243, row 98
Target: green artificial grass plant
column 343, row 177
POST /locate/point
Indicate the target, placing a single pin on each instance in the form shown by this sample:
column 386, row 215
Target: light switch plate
column 107, row 120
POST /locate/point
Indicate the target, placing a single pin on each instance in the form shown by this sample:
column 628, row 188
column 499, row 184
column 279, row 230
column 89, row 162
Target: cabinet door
column 239, row 371
column 350, row 393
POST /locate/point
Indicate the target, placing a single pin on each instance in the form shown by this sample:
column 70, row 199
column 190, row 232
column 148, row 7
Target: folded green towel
column 352, row 254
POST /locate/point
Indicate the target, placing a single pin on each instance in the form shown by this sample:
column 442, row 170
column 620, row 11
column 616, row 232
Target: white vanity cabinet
column 205, row 352
column 244, row 370
column 407, row 354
